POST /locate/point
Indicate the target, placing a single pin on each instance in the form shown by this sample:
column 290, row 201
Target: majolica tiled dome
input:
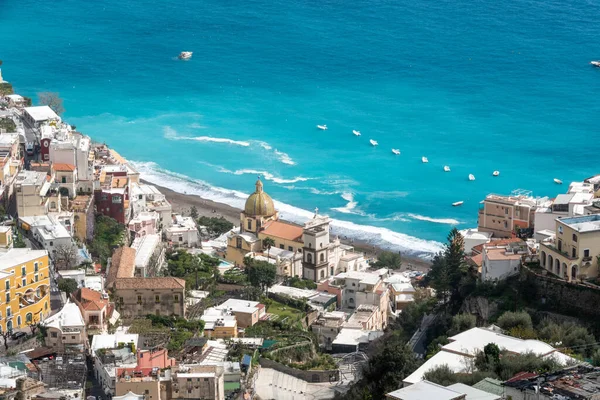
column 259, row 203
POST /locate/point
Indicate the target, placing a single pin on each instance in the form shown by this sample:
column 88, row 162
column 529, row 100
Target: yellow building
column 24, row 288
column 572, row 253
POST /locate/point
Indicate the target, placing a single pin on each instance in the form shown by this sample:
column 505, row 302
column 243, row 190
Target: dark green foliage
column 492, row 352
column 461, row 323
column 201, row 269
column 301, row 283
column 510, row 320
column 410, row 319
column 19, row 242
column 6, row 89
column 391, row 362
column 435, row 346
column 67, row 285
column 179, row 329
column 388, row 259
column 108, row 235
column 215, row 225
column 568, row 334
column 234, row 276
column 444, row 376
column 8, row 124
column 261, row 274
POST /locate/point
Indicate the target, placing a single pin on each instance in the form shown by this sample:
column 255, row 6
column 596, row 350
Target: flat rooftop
column 587, row 223
column 31, row 178
column 41, row 113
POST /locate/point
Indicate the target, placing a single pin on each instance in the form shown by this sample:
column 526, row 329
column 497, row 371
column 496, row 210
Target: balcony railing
column 585, row 259
column 552, row 247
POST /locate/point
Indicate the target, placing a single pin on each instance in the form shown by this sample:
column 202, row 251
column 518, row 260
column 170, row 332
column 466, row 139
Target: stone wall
column 308, row 376
column 560, row 296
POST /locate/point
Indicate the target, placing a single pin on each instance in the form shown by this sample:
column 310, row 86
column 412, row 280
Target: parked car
column 18, row 335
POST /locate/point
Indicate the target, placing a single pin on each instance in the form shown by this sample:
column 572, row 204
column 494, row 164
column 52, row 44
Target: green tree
column 51, row 100
column 261, row 274
column 19, row 242
column 389, row 259
column 8, row 124
column 461, row 323
column 267, row 243
column 519, row 319
column 441, row 375
column 215, row 225
column 194, row 213
column 492, row 352
column 67, row 285
column 568, row 334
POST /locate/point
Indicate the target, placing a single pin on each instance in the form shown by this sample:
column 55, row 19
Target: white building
column 148, row 198
column 36, row 116
column 473, row 237
column 149, row 255
column 52, row 235
column 459, row 354
column 74, row 150
column 183, row 231
column 501, row 262
column 428, row 390
column 66, row 329
column 105, row 366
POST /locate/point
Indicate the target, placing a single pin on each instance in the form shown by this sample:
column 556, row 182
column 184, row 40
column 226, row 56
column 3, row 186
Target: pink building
column 145, row 223
column 327, row 287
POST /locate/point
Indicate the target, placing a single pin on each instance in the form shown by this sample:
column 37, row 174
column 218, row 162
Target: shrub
column 510, row 320
column 461, row 323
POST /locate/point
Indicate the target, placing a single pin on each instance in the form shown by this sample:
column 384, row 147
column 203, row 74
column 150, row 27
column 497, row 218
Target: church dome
column 259, row 203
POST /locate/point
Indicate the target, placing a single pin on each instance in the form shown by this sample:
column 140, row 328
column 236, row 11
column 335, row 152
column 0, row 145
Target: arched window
column 322, row 257
column 310, row 245
column 9, row 326
column 238, row 242
column 250, row 224
column 29, row 318
column 309, row 258
column 18, row 321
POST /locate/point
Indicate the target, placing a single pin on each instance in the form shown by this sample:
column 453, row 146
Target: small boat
column 471, row 177
column 595, row 63
column 458, row 203
column 424, row 159
column 446, row 168
column 396, row 152
column 322, row 127
column 356, row 133
column 185, row 55
column 496, row 173
column 373, row 142
column 557, row 181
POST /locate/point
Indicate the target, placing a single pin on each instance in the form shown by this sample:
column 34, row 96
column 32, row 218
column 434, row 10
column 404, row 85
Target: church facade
column 305, row 251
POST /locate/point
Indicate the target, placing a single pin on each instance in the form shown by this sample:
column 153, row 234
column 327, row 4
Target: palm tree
column 267, row 243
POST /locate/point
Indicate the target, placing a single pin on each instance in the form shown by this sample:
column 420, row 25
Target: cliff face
column 481, row 307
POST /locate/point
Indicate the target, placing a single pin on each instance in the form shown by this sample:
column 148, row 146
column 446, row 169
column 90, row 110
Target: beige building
column 65, row 176
column 137, row 297
column 84, row 219
column 31, row 188
column 198, row 382
column 572, row 253
column 501, row 215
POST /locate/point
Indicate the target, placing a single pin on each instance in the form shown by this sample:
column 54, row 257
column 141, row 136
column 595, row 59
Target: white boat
column 558, row 181
column 595, row 63
column 322, row 127
column 356, row 133
column 446, row 168
column 185, row 55
column 458, row 203
column 496, row 173
column 424, row 159
column 396, row 152
column 373, row 142
column 471, row 177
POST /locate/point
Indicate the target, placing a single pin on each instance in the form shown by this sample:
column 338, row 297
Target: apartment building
column 24, row 288
column 501, row 215
column 31, row 188
column 571, row 253
column 82, row 208
column 65, row 330
column 137, row 297
column 198, row 382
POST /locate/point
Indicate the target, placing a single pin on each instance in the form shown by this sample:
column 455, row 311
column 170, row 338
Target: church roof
column 284, row 230
column 259, row 203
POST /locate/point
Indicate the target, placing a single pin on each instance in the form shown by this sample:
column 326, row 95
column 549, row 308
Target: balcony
column 586, row 259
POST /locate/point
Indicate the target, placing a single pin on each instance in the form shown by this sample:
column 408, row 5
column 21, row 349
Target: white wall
column 499, row 269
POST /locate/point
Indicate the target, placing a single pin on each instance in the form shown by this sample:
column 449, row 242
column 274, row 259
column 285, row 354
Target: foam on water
column 171, row 134
column 449, row 221
column 376, row 236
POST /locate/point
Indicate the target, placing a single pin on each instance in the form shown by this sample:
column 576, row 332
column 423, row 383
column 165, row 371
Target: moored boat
column 356, row 133
column 446, row 168
column 557, row 181
column 595, row 63
column 185, row 55
column 496, row 173
column 471, row 177
column 424, row 159
column 322, row 127
column 458, row 203
column 396, row 152
column 373, row 142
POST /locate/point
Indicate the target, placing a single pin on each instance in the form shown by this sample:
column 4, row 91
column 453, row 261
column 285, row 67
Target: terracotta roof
column 63, row 167
column 284, row 230
column 90, row 300
column 502, row 242
column 167, row 282
column 522, row 376
column 476, row 259
column 122, row 264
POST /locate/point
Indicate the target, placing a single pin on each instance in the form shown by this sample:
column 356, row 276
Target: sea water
column 475, row 85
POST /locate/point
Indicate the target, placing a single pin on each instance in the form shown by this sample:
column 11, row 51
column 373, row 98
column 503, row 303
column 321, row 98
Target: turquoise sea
column 476, row 85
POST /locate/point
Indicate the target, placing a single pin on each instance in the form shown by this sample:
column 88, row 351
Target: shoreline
column 183, row 202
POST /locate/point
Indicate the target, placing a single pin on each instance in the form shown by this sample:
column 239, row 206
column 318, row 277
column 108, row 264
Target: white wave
column 284, row 157
column 264, row 174
column 376, row 236
column 171, row 134
column 264, row 145
column 350, row 207
column 449, row 221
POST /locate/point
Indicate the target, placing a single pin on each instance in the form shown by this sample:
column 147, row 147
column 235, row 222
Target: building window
column 181, row 238
column 35, row 267
column 8, row 312
column 322, row 257
column 23, row 271
column 18, row 321
column 310, row 245
column 63, row 179
column 290, row 248
column 29, row 317
column 72, row 337
column 53, row 334
column 505, row 224
column 8, row 297
column 249, row 224
column 139, row 299
column 506, row 211
column 176, row 297
column 7, row 285
column 322, row 274
column 309, row 258
column 586, row 252
column 24, row 282
column 121, row 300
column 560, row 229
column 51, row 243
column 116, row 199
column 574, row 237
column 157, row 299
column 559, row 245
column 238, row 243
column 281, row 246
column 574, row 252
column 36, row 278
column 331, row 271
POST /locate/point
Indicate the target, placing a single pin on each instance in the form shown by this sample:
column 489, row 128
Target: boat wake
column 449, row 221
column 376, row 236
column 264, row 174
